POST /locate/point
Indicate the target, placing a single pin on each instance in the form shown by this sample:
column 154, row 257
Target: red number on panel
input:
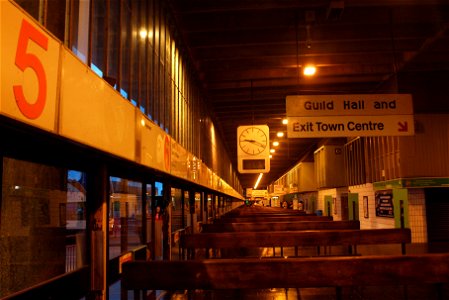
column 31, row 110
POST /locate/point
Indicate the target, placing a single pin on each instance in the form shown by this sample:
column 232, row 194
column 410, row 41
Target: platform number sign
column 28, row 34
column 30, row 65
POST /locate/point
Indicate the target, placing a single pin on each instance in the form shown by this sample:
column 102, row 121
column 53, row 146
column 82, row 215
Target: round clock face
column 253, row 141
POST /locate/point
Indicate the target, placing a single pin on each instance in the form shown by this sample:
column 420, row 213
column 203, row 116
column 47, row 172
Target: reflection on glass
column 176, row 211
column 198, row 206
column 43, row 223
column 98, row 30
column 125, row 216
column 80, row 29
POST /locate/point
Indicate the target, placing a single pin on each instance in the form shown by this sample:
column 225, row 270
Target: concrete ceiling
column 249, row 55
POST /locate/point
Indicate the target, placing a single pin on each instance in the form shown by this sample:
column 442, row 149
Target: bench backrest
column 273, row 218
column 295, row 238
column 279, row 226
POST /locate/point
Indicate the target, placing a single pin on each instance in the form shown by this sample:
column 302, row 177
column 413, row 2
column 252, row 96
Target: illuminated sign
column 349, row 105
column 338, row 126
column 319, row 116
column 29, row 71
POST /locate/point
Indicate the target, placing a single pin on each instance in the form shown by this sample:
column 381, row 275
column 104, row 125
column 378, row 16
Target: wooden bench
column 288, row 273
column 267, row 213
column 243, row 211
column 279, row 226
column 326, row 238
column 273, row 218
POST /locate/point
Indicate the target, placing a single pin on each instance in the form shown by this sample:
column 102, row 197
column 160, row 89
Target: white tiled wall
column 417, row 215
column 416, row 209
column 372, row 222
column 334, row 193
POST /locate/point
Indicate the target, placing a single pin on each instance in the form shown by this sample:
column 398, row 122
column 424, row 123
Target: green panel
column 389, row 184
column 327, row 205
column 312, row 203
column 398, row 196
column 412, row 182
column 353, row 204
column 426, row 182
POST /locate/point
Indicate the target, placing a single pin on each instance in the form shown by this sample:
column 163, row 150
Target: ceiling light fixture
column 285, row 121
column 309, row 70
column 280, row 134
column 143, row 34
column 258, row 181
column 275, row 143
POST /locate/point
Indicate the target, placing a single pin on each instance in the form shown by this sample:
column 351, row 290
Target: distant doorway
column 437, row 210
column 344, row 207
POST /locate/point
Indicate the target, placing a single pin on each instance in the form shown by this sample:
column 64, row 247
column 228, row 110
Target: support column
column 97, row 199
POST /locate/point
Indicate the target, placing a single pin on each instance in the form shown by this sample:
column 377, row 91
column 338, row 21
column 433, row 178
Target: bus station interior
column 121, row 125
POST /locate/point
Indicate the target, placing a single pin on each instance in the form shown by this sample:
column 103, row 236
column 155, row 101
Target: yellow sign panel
column 29, row 69
column 349, row 105
column 92, row 112
column 317, row 116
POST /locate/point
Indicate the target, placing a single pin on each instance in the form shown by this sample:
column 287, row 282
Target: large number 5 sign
column 24, row 60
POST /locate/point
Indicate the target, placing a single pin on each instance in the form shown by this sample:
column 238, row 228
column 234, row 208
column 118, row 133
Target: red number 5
column 31, row 110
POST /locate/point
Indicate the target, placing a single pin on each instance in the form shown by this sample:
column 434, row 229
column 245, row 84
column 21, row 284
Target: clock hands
column 255, row 142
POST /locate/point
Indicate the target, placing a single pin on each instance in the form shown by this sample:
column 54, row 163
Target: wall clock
column 253, row 140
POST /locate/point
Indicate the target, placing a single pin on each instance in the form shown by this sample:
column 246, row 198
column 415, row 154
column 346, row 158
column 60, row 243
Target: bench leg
column 440, row 291
column 338, row 293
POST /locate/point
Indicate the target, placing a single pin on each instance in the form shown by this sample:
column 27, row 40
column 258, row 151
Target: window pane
column 135, row 76
column 198, row 206
column 125, row 216
column 113, row 40
column 32, row 7
column 149, row 212
column 176, row 212
column 125, row 47
column 80, row 29
column 43, row 218
column 55, row 18
column 98, row 37
column 143, row 62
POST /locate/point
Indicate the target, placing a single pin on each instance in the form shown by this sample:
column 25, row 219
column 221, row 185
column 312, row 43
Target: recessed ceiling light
column 309, row 70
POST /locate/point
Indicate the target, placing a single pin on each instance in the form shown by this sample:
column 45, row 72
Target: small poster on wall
column 365, row 207
column 384, row 204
